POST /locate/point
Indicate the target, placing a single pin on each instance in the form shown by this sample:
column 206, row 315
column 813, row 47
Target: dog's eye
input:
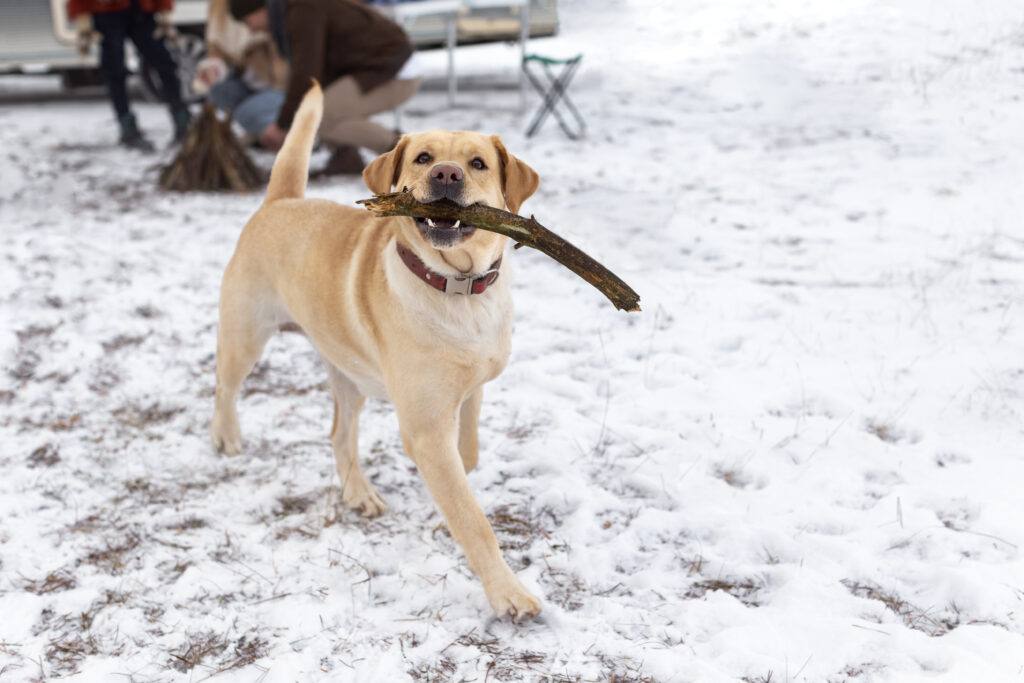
column 478, row 164
column 423, row 158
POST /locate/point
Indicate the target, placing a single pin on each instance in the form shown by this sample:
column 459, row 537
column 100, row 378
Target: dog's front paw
column 225, row 436
column 509, row 597
column 364, row 499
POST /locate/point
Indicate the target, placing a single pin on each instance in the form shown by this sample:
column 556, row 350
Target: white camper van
column 36, row 36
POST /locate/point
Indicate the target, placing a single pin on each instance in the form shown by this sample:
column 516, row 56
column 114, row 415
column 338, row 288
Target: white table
column 524, row 32
column 449, row 10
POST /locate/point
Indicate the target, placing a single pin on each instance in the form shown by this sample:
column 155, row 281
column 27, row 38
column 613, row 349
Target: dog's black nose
column 444, row 176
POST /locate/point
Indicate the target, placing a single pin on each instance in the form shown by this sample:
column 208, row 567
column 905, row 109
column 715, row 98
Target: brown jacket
column 331, row 39
column 253, row 54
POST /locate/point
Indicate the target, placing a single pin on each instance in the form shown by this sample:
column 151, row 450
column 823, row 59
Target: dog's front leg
column 469, row 419
column 431, row 439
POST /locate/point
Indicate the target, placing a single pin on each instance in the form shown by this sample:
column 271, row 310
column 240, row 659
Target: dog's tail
column 291, row 167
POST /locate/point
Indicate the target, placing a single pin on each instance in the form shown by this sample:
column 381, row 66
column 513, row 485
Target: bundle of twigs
column 211, row 158
column 523, row 230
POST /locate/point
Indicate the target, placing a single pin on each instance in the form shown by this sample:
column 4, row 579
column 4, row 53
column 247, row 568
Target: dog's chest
column 471, row 333
column 370, row 384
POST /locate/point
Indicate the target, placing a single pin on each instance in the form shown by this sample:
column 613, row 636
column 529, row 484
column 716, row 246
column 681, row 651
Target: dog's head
column 467, row 168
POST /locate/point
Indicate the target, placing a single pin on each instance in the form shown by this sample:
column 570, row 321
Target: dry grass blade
column 523, row 230
column 912, row 616
column 743, row 589
column 53, row 582
column 196, row 648
column 211, row 159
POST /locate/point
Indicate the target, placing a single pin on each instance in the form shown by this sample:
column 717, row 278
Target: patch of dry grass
column 35, row 331
column 66, row 653
column 46, row 455
column 563, row 588
column 622, row 669
column 517, row 529
column 246, row 650
column 263, row 380
column 72, row 639
column 855, row 672
column 912, row 616
column 301, row 530
column 503, row 663
column 196, row 648
column 744, row 589
column 140, row 416
column 190, row 523
column 122, row 341
column 112, row 556
column 294, row 505
column 217, row 652
column 889, row 432
column 440, row 671
column 54, row 582
column 733, row 476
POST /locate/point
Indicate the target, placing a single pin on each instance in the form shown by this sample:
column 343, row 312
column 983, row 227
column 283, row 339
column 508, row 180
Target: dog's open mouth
column 444, row 233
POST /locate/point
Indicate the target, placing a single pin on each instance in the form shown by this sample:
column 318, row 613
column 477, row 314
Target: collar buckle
column 464, row 284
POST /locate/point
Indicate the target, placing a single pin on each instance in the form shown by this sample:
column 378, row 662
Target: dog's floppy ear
column 383, row 171
column 519, row 181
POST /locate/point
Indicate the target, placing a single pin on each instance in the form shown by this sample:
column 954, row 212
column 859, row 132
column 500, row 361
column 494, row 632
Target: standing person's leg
column 155, row 53
column 347, row 110
column 113, row 27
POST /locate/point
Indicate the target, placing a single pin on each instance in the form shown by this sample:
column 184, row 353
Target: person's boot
column 131, row 136
column 344, row 160
column 182, row 119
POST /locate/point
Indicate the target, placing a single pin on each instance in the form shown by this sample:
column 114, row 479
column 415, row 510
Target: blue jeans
column 252, row 109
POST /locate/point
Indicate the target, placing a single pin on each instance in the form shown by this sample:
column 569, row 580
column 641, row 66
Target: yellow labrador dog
column 412, row 310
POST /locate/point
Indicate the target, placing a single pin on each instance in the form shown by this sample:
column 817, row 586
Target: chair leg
column 556, row 91
column 524, row 37
column 451, row 43
column 560, row 86
column 538, row 118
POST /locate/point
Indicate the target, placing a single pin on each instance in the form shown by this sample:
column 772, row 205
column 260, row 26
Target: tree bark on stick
column 522, row 230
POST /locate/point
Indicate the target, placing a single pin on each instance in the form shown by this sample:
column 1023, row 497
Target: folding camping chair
column 554, row 94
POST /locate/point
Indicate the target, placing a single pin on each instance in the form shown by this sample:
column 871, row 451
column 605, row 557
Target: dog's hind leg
column 469, row 418
column 356, row 492
column 241, row 335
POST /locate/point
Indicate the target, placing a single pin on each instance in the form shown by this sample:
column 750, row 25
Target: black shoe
column 182, row 119
column 131, row 136
column 344, row 160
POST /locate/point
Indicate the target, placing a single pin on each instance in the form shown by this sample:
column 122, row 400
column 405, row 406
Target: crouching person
column 138, row 21
column 243, row 73
column 359, row 56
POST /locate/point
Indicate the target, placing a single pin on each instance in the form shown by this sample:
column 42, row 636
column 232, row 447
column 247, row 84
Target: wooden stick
column 211, row 159
column 523, row 230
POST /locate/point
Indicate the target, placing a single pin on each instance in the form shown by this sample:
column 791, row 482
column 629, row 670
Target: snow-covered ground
column 803, row 461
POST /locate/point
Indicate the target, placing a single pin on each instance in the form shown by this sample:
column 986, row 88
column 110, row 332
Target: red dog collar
column 471, row 284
